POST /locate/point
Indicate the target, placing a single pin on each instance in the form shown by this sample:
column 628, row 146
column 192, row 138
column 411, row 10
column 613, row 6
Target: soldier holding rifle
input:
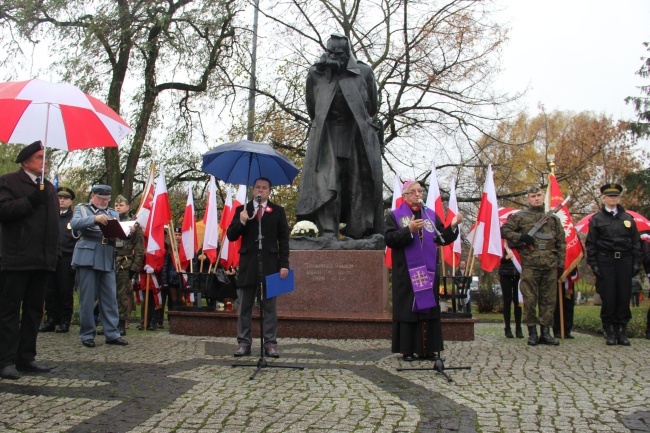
column 542, row 255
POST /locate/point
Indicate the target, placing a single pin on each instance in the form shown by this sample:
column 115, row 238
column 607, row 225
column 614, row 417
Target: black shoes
column 121, row 328
column 47, row 326
column 509, row 332
column 621, row 336
column 243, row 351
column 408, row 357
column 33, row 367
column 518, row 332
column 63, row 328
column 88, row 343
column 272, row 352
column 533, row 339
column 118, row 342
column 9, row 372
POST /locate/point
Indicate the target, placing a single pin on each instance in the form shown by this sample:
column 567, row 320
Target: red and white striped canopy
column 60, row 115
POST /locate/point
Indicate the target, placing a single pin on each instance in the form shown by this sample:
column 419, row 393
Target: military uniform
column 94, row 261
column 129, row 254
column 539, row 267
column 614, row 254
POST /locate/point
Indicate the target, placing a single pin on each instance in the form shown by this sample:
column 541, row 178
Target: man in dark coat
column 342, row 174
column 275, row 258
column 29, row 247
column 59, row 300
column 614, row 255
column 411, row 235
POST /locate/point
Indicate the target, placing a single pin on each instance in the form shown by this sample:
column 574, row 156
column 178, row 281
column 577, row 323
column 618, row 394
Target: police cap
column 29, row 151
column 611, row 189
column 64, row 191
column 103, row 191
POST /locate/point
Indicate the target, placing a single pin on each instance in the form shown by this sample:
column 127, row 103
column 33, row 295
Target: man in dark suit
column 29, row 221
column 275, row 258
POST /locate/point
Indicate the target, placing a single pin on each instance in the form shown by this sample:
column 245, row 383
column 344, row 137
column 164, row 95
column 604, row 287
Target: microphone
column 259, row 199
column 438, row 235
column 424, row 206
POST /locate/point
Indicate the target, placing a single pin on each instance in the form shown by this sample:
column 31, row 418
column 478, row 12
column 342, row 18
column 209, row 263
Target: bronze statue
column 342, row 173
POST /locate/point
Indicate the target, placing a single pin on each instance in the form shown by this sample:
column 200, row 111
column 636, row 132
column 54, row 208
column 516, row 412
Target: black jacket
column 66, row 240
column 610, row 234
column 275, row 242
column 30, row 235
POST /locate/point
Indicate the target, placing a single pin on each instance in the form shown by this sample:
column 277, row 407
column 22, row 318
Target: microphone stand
column 438, row 361
column 261, row 362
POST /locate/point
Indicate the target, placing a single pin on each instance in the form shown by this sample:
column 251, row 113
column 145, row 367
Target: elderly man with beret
column 94, row 261
column 614, row 254
column 59, row 299
column 28, row 247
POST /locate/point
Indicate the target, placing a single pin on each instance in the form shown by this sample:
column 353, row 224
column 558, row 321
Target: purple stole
column 420, row 259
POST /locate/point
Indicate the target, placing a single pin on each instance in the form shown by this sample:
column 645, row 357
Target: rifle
column 538, row 225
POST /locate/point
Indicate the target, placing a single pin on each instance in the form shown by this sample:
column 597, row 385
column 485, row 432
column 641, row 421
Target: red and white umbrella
column 60, row 115
column 642, row 223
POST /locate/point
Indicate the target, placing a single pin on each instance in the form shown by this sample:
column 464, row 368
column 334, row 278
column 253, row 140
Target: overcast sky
column 578, row 55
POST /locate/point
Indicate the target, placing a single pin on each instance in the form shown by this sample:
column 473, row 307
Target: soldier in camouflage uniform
column 541, row 256
column 129, row 254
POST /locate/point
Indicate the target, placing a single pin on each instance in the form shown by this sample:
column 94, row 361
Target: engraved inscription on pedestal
column 337, row 281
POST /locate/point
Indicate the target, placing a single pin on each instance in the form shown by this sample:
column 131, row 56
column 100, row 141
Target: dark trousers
column 59, row 295
column 244, row 321
column 423, row 338
column 510, row 291
column 20, row 291
column 567, row 309
column 615, row 288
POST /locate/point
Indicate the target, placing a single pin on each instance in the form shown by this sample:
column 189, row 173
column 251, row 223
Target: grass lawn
column 587, row 318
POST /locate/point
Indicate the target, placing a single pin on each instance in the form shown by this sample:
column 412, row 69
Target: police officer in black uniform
column 614, row 255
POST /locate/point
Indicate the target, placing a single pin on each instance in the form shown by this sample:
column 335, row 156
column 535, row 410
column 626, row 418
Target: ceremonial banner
column 574, row 252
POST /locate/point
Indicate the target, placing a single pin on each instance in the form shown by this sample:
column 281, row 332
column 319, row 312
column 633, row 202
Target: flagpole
column 146, row 302
column 561, row 307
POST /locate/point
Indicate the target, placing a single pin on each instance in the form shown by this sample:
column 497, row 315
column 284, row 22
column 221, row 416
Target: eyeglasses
column 415, row 191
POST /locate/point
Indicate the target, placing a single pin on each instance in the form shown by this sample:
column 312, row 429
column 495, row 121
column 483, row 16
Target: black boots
column 621, row 337
column 508, row 332
column 546, row 337
column 63, row 328
column 121, row 328
column 518, row 332
column 533, row 340
column 610, row 335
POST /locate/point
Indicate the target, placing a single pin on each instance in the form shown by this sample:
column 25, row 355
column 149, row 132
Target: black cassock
column 413, row 333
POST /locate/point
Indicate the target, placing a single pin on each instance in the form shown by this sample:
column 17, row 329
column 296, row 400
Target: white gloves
column 148, row 269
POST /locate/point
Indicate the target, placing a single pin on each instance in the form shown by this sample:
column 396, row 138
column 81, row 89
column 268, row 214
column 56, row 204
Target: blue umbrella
column 244, row 161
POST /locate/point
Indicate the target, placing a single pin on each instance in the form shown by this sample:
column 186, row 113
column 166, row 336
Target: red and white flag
column 189, row 245
column 142, row 215
column 211, row 220
column 573, row 254
column 485, row 237
column 160, row 215
column 398, row 199
column 451, row 252
column 230, row 250
column 434, row 199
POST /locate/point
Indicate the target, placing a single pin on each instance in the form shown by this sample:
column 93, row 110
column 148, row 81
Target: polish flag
column 486, row 235
column 146, row 203
column 434, row 199
column 573, row 254
column 230, row 250
column 451, row 253
column 398, row 199
column 211, row 220
column 160, row 215
column 189, row 245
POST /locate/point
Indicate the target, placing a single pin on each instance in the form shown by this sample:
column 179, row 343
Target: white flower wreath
column 305, row 228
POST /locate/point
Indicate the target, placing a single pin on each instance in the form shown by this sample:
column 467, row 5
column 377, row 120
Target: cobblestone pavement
column 172, row 383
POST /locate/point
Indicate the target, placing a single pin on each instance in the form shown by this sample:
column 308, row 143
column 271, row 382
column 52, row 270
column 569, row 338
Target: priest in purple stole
column 411, row 235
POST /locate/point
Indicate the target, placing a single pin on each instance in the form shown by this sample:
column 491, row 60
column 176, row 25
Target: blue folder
column 276, row 286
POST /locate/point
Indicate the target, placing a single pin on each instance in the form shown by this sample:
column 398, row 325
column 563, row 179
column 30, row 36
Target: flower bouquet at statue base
column 305, row 228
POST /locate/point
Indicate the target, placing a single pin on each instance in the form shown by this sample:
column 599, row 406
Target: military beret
column 29, row 151
column 64, row 191
column 611, row 189
column 121, row 199
column 102, row 190
column 533, row 190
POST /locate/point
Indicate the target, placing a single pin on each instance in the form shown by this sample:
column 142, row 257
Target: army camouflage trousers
column 124, row 292
column 539, row 288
